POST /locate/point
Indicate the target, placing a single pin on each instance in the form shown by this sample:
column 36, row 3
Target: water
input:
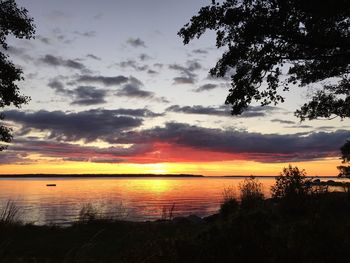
column 135, row 199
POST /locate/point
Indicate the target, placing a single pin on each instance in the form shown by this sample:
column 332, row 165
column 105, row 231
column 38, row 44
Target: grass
column 9, row 213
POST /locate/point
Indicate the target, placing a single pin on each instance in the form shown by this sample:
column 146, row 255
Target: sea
column 122, row 198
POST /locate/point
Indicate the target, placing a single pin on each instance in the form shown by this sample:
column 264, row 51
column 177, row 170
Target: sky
column 114, row 90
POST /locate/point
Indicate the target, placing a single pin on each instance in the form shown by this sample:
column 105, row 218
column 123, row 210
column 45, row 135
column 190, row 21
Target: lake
column 136, row 199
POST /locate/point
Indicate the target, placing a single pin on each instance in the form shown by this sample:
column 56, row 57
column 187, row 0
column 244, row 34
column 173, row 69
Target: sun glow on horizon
column 324, row 167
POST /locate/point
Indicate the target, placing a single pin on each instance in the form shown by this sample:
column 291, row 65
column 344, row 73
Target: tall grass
column 9, row 213
column 168, row 212
column 90, row 213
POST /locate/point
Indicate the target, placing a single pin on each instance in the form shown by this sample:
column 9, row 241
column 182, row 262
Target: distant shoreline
column 138, row 176
column 96, row 175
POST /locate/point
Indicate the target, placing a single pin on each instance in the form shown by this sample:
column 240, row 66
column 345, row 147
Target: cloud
column 107, row 81
column 89, row 95
column 152, row 72
column 184, row 80
column 132, row 64
column 206, row 87
column 136, row 42
column 81, row 95
column 19, row 150
column 133, row 90
column 144, row 57
column 90, row 33
column 198, row 109
column 44, row 40
column 188, row 75
column 87, row 125
column 58, row 61
column 93, row 56
column 200, row 51
column 137, row 113
column 250, row 146
column 283, row 121
column 224, row 110
column 172, row 143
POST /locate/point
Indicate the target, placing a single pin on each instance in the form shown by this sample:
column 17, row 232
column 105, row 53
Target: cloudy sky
column 114, row 90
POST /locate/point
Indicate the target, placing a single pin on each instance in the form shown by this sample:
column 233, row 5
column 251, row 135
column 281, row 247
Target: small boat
column 51, row 185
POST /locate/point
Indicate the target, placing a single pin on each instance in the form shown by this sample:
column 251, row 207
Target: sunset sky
column 114, row 90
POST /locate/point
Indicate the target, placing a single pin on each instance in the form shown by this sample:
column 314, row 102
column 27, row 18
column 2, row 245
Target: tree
column 280, row 42
column 13, row 21
column 291, row 183
column 345, row 151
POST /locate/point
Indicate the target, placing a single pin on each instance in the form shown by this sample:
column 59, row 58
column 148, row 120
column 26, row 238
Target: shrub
column 291, row 183
column 230, row 204
column 251, row 193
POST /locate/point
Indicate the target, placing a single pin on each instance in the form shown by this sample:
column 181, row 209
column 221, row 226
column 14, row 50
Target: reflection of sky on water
column 140, row 199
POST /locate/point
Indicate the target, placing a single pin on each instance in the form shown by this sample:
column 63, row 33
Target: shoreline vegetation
column 303, row 221
column 97, row 175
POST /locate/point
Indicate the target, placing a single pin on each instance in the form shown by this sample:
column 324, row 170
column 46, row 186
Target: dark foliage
column 291, row 183
column 13, row 21
column 266, row 39
column 345, row 151
column 251, row 193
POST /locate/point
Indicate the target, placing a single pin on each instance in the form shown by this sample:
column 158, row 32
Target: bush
column 230, row 204
column 291, row 183
column 251, row 193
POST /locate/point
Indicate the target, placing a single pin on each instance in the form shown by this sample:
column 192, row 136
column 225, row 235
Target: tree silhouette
column 265, row 40
column 13, row 21
column 345, row 151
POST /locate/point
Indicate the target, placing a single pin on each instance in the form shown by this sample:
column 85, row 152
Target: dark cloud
column 152, row 72
column 188, row 75
column 20, row 52
column 70, row 126
column 283, row 121
column 144, row 57
column 44, row 40
column 58, row 61
column 198, row 109
column 107, row 81
column 136, row 42
column 10, row 157
column 57, row 85
column 89, row 95
column 132, row 64
column 93, row 56
column 70, row 152
column 82, row 95
column 133, row 89
column 206, row 87
column 137, row 112
column 184, row 80
column 254, row 146
column 223, row 110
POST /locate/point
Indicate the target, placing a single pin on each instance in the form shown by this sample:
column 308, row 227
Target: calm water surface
column 140, row 198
